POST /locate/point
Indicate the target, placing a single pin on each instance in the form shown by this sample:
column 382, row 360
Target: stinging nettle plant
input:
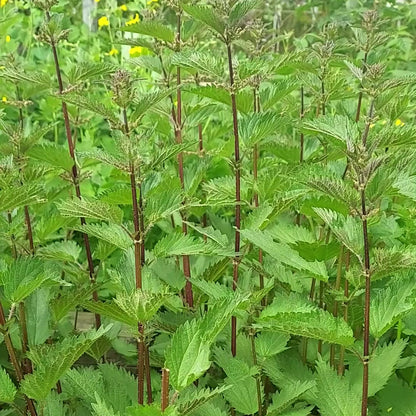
column 206, row 207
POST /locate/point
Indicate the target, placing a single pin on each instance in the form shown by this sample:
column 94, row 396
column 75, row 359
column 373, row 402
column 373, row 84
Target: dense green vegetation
column 226, row 188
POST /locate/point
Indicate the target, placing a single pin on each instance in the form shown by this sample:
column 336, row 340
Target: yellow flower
column 103, row 21
column 399, row 123
column 4, row 99
column 136, row 51
column 3, row 3
column 151, row 1
column 96, row 1
column 133, row 21
column 113, row 51
column 123, row 7
column 372, row 125
column 8, row 38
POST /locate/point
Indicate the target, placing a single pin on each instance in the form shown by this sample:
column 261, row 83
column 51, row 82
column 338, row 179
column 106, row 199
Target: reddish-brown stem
column 136, row 218
column 13, row 359
column 165, row 389
column 237, row 168
column 258, row 382
column 75, row 176
column 366, row 352
column 178, row 135
column 138, row 244
column 147, row 374
column 140, row 364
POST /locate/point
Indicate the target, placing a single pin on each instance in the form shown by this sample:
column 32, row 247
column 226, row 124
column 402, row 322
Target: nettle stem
column 75, row 175
column 178, row 136
column 13, row 359
column 237, row 167
column 138, row 222
column 367, row 271
column 258, row 381
column 165, row 389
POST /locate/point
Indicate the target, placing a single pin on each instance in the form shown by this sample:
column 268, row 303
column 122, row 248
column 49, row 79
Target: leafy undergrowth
column 227, row 188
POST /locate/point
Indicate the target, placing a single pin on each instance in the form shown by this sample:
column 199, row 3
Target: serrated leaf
column 335, row 396
column 28, row 194
column 111, row 233
column 206, row 15
column 61, row 250
column 51, row 362
column 22, row 278
column 338, row 127
column 7, row 388
column 284, row 254
column 390, row 304
column 292, row 315
column 53, row 155
column 90, row 209
column 288, row 395
column 187, row 357
column 152, row 28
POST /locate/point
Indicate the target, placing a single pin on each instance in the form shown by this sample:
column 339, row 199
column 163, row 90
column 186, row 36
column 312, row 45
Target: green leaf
column 111, row 233
column 152, row 28
column 87, row 70
column 7, row 388
column 199, row 62
column 52, row 361
column 110, row 310
column 390, row 304
column 52, row 154
column 144, row 102
column 100, row 408
column 22, row 278
column 90, row 209
column 187, row 357
column 177, row 244
column 256, row 127
column 381, row 366
column 242, row 387
column 27, row 194
column 289, row 395
column 338, row 127
column 140, row 305
column 284, row 254
column 347, row 230
column 335, row 395
column 38, row 317
column 240, row 10
column 206, row 15
column 61, row 250
column 192, row 399
column 269, row 343
column 293, row 315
